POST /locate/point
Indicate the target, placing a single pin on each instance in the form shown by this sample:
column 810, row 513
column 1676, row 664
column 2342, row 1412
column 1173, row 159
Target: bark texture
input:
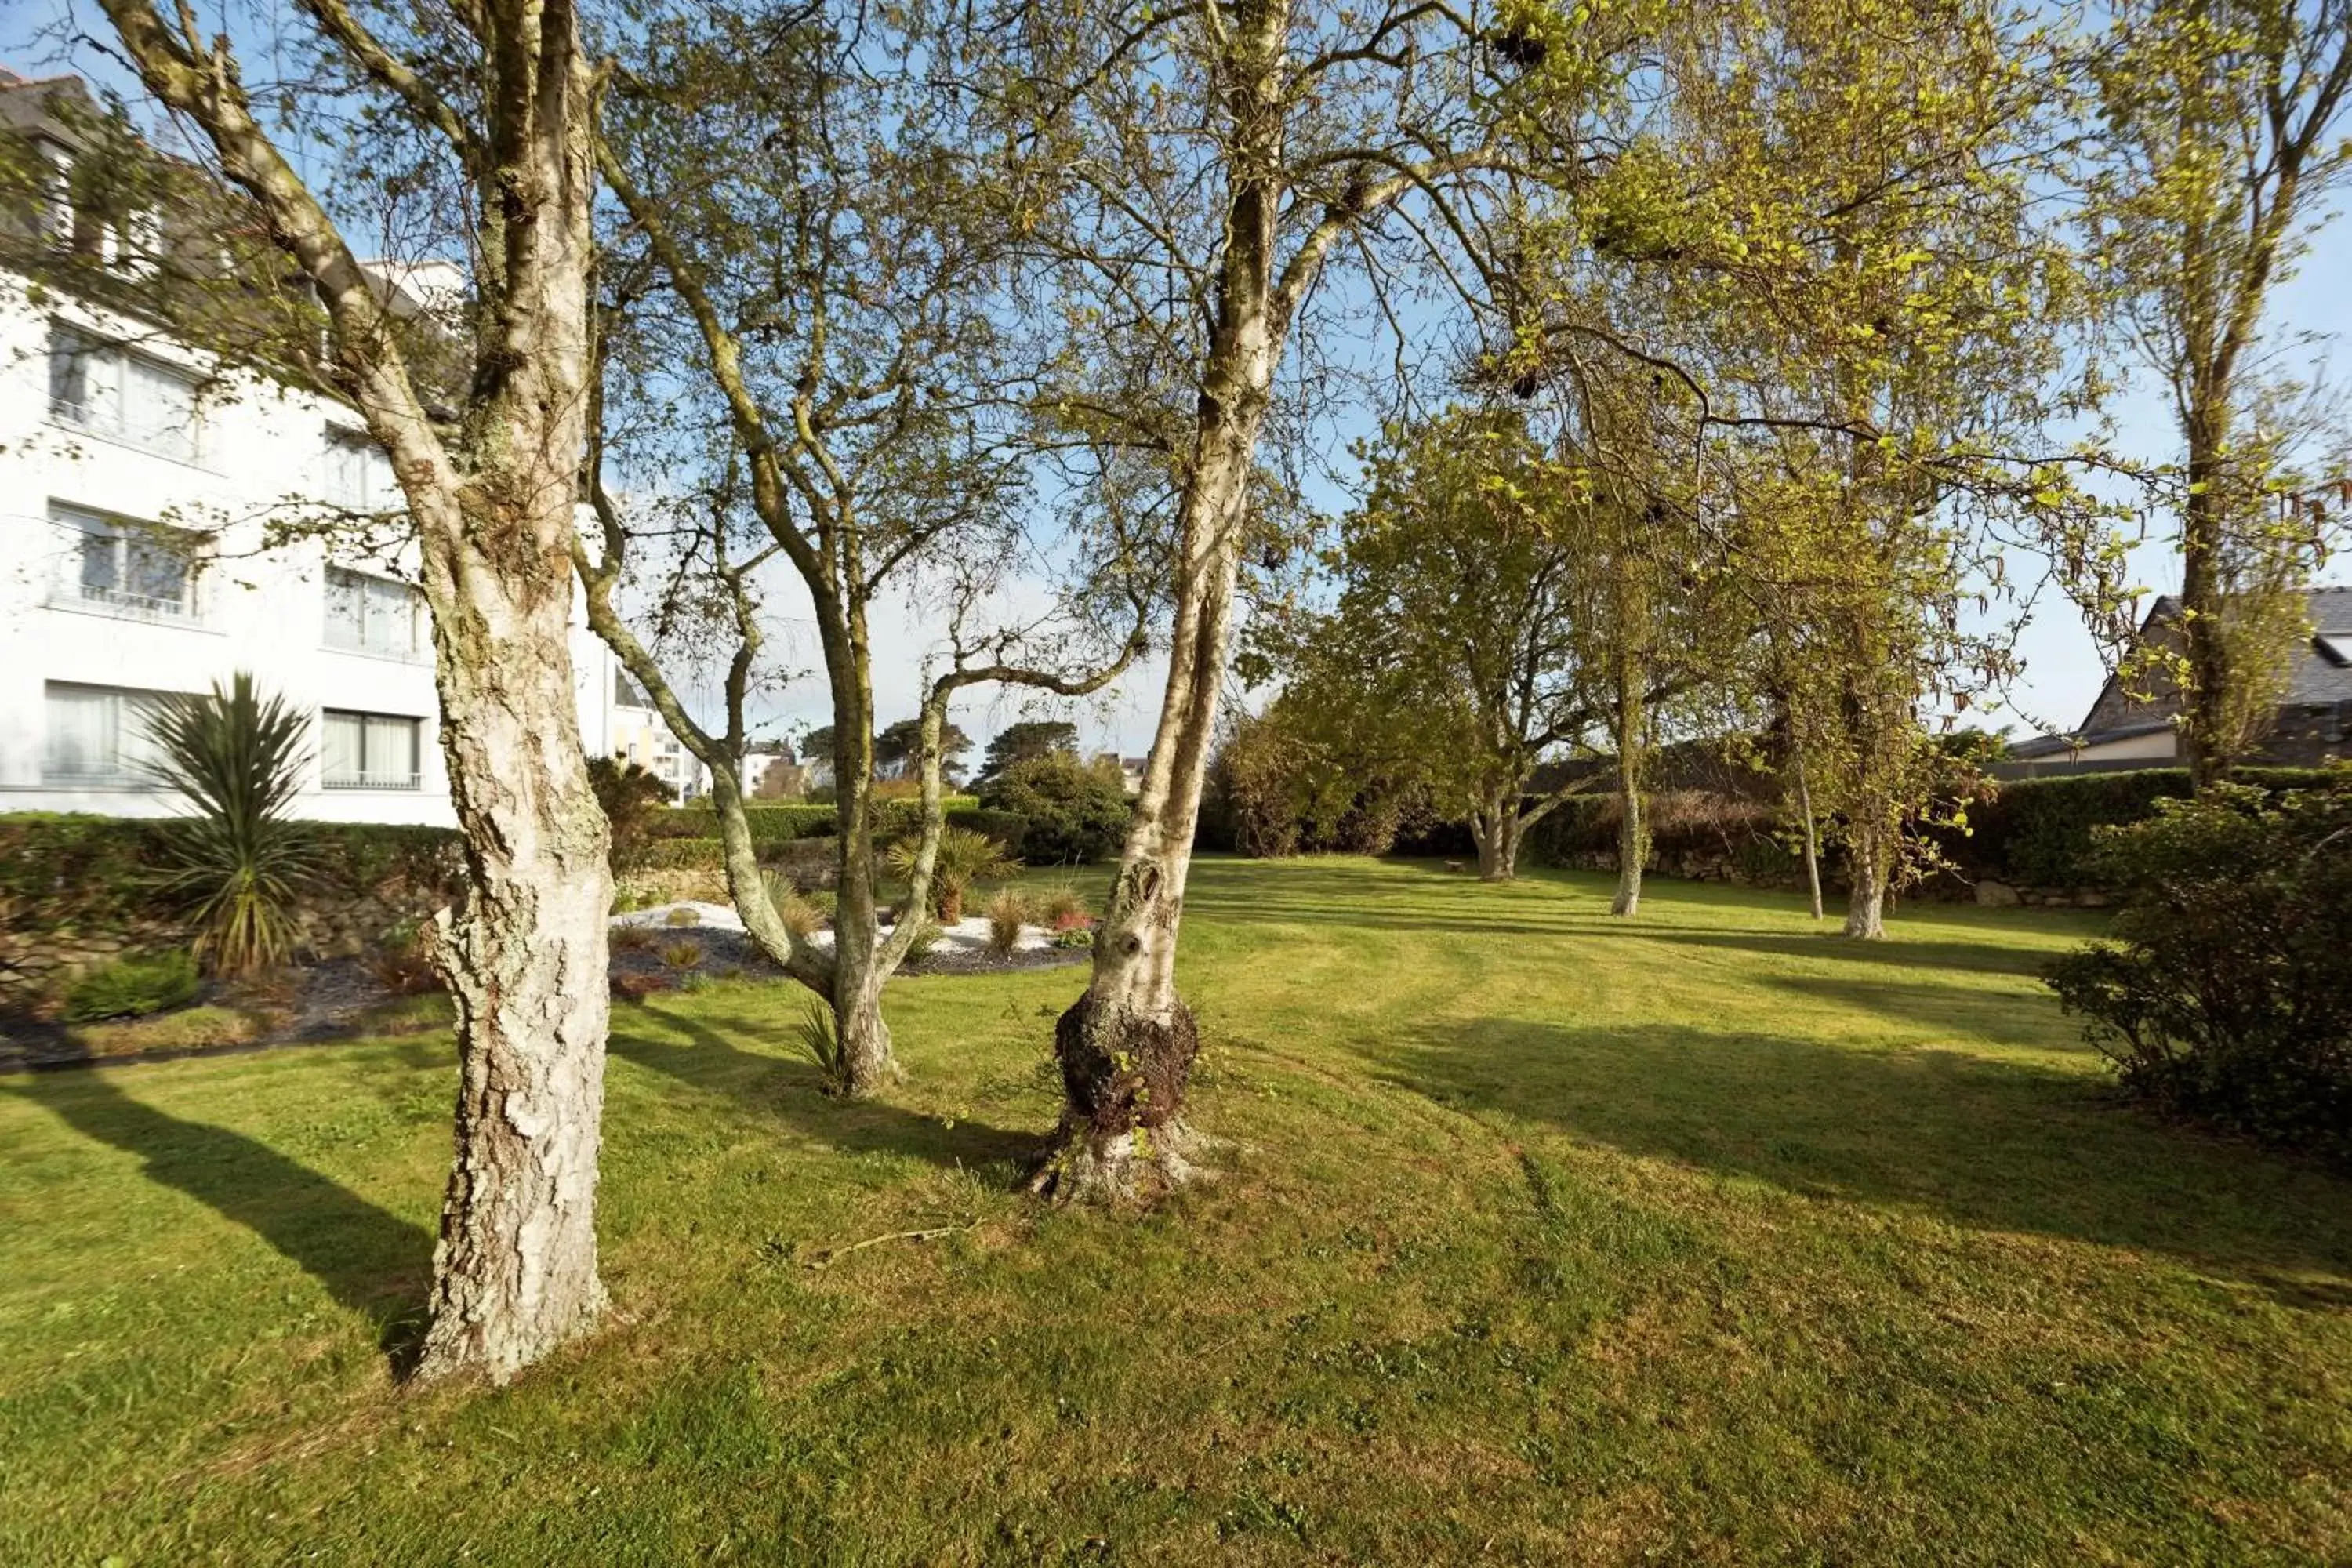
column 1865, row 909
column 1632, row 729
column 1813, row 840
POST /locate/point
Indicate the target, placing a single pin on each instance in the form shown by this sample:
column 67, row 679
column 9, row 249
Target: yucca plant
column 821, row 1043
column 965, row 858
column 237, row 758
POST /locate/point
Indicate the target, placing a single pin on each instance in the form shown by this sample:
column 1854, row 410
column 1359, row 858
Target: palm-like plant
column 965, row 856
column 237, row 758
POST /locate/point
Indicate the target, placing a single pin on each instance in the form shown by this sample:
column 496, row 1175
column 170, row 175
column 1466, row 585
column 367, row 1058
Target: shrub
column 964, row 857
column 1069, row 814
column 633, row 799
column 132, row 987
column 821, row 1043
column 400, row 963
column 237, row 757
column 682, row 956
column 1007, row 912
column 682, row 916
column 632, row 937
column 1061, row 907
column 926, row 937
column 2223, row 993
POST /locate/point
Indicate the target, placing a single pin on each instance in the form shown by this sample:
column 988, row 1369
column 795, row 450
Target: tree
column 801, row 313
column 497, row 97
column 1851, row 282
column 1027, row 738
column 1207, row 165
column 898, row 750
column 2219, row 146
column 1455, row 652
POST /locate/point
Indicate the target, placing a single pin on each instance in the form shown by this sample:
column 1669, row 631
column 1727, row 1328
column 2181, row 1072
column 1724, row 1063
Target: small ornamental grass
column 1007, row 913
column 683, row 957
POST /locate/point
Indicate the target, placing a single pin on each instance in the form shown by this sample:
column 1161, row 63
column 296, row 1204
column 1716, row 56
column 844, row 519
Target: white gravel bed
column 969, row 934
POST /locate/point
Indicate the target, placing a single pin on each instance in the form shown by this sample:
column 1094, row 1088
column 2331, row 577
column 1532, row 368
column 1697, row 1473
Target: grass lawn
column 1553, row 1239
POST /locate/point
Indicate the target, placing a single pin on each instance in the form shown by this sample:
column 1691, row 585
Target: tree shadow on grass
column 790, row 1089
column 1986, row 1144
column 370, row 1260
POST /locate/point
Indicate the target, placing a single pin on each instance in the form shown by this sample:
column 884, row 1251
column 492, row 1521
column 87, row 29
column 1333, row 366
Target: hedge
column 783, row 824
column 98, row 875
column 2037, row 832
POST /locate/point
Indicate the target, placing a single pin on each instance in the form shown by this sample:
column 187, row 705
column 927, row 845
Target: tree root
column 1122, row 1169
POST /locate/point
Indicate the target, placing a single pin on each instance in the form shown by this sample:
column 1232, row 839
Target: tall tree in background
column 2222, row 142
column 1835, row 213
column 1027, row 739
column 1462, row 649
column 1212, row 163
column 500, row 95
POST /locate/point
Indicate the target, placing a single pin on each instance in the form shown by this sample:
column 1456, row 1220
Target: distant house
column 774, row 776
column 2121, row 730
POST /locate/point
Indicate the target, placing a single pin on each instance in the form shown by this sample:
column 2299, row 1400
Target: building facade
column 167, row 519
column 2127, row 728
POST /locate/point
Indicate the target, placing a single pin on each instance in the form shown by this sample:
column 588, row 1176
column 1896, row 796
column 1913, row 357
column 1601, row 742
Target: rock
column 1998, row 896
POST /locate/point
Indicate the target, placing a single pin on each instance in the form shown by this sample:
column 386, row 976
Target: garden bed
column 342, row 998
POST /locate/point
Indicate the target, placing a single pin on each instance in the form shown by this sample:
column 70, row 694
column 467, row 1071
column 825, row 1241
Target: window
column 373, row 615
column 625, row 692
column 2335, row 648
column 142, row 569
column 97, row 734
column 371, row 751
column 101, row 388
column 358, row 475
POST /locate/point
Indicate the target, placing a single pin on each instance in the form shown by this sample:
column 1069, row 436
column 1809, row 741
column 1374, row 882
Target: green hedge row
column 783, row 824
column 703, row 852
column 2037, row 832
column 101, row 874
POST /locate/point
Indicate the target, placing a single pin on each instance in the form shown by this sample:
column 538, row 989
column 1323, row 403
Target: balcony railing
column 179, row 611
column 373, row 781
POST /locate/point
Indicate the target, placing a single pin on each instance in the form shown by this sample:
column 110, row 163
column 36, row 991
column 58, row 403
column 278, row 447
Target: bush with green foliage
column 132, row 987
column 2222, row 991
column 237, row 757
column 1070, row 814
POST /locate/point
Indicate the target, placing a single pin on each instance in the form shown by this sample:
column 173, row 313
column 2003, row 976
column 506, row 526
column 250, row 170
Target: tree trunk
column 1866, row 909
column 1812, row 839
column 869, row 1064
column 1498, row 828
column 515, row 1274
column 1632, row 829
column 2204, row 701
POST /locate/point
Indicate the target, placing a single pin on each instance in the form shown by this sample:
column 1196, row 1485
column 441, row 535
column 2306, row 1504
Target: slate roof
column 2318, row 679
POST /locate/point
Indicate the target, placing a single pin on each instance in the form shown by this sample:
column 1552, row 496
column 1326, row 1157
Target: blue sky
column 2062, row 668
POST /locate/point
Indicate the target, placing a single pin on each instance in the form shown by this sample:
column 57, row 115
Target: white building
column 145, row 492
